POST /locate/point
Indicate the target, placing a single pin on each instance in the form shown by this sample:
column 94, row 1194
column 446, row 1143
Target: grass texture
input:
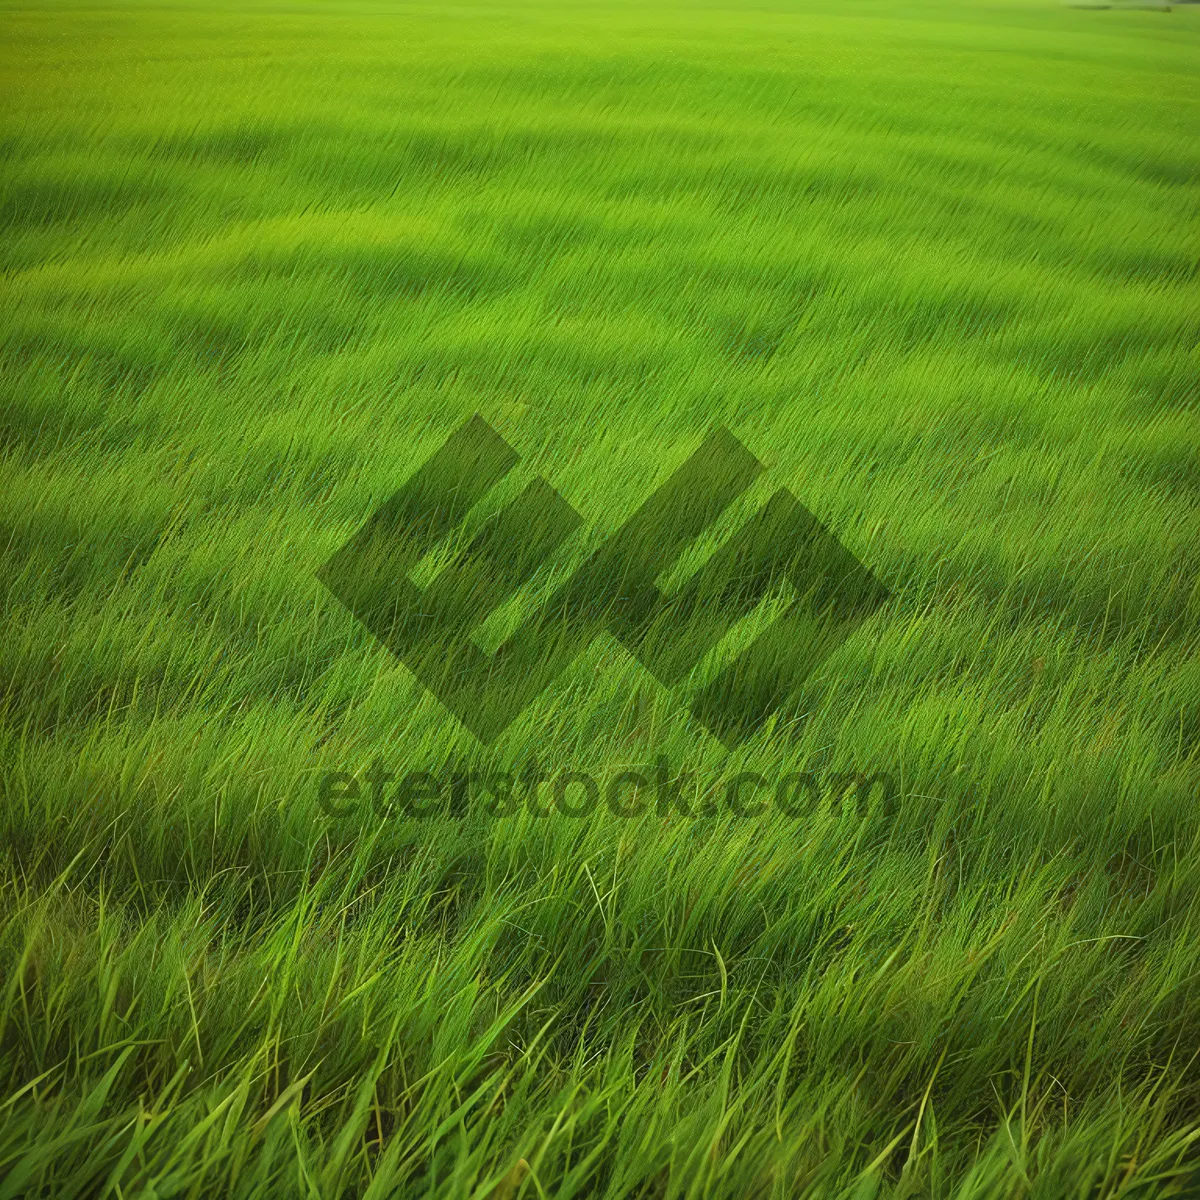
column 934, row 264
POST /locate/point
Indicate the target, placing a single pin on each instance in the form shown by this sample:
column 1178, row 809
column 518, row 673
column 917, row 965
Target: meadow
column 934, row 264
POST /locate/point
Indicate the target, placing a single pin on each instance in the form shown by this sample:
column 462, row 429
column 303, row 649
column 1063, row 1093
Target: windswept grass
column 935, row 265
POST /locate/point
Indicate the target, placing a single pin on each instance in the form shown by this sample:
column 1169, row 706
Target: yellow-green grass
column 935, row 264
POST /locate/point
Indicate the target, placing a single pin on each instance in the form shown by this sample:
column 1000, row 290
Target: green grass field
column 934, row 264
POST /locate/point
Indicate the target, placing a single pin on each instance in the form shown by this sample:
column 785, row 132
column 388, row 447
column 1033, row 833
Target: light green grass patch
column 935, row 265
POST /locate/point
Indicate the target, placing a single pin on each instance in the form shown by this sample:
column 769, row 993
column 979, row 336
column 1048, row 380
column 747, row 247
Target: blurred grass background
column 936, row 265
